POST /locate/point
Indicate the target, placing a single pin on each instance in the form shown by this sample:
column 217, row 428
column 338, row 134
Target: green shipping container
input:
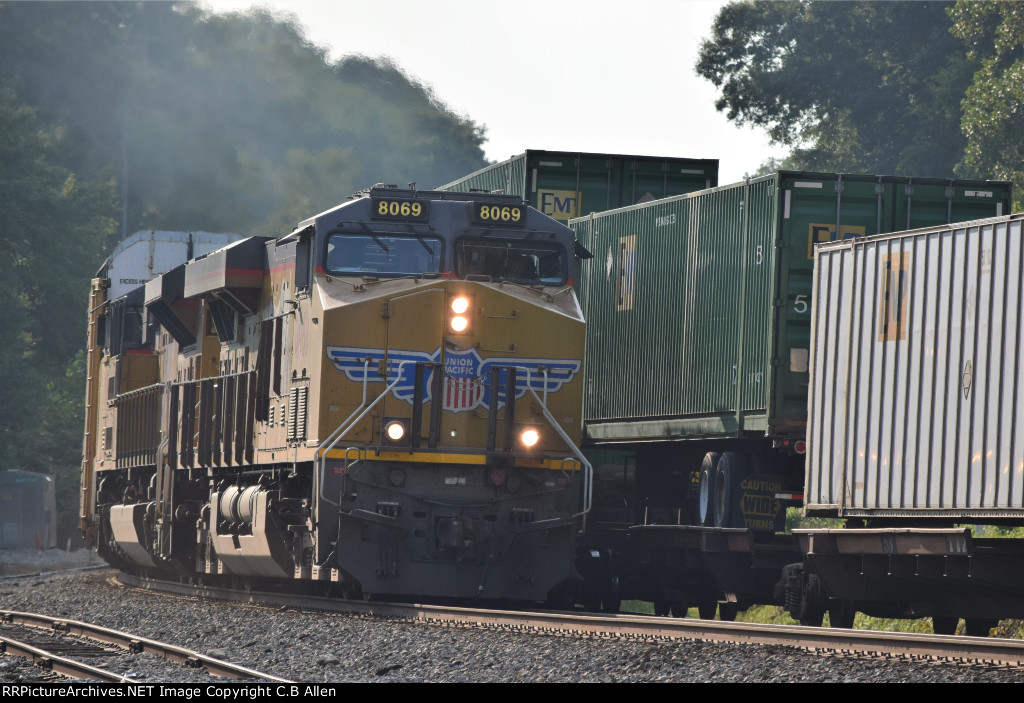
column 697, row 306
column 564, row 184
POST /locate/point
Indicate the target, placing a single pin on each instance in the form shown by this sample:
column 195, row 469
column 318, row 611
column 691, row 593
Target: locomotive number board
column 499, row 214
column 391, row 209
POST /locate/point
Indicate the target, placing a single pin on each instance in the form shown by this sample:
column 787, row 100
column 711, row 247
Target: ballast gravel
column 332, row 648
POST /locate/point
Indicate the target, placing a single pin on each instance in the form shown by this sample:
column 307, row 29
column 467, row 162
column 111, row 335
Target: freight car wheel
column 944, row 625
column 706, row 610
column 679, row 609
column 706, row 497
column 979, row 627
column 611, row 601
column 727, row 612
column 812, row 617
column 731, row 470
column 842, row 613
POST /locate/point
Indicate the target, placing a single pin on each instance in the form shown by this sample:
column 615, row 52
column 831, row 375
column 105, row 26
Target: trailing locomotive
column 385, row 401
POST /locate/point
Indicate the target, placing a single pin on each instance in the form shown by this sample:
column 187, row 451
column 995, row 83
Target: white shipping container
column 916, row 402
column 144, row 255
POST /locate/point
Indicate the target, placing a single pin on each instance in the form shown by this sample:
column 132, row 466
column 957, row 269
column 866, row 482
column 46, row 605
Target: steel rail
column 137, row 645
column 909, row 646
column 58, row 664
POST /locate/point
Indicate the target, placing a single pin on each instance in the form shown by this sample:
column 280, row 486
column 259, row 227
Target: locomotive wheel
column 944, row 625
column 559, row 599
column 731, row 470
column 706, row 497
column 661, row 607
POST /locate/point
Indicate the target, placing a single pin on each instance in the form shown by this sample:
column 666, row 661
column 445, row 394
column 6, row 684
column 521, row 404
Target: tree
column 851, row 86
column 993, row 106
column 52, row 228
column 223, row 122
column 170, row 117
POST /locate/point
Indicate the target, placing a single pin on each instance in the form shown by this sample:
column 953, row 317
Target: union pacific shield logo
column 467, row 374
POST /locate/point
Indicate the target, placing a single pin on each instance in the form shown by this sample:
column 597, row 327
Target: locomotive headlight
column 396, row 431
column 460, row 305
column 529, row 437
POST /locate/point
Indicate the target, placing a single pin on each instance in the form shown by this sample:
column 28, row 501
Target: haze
column 577, row 75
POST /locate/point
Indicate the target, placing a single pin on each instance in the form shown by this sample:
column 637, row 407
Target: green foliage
column 161, row 115
column 224, row 122
column 796, row 520
column 52, row 230
column 769, row 165
column 777, row 615
column 993, row 106
column 851, row 86
column 638, row 606
column 767, row 614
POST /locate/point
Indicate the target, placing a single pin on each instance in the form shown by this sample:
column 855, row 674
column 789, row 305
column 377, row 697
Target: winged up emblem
column 467, row 374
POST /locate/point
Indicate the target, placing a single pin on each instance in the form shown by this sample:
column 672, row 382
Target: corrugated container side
column 916, row 375
column 506, row 176
column 564, row 185
column 699, row 306
column 662, row 295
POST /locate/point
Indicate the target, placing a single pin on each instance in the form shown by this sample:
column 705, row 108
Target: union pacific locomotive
column 385, row 401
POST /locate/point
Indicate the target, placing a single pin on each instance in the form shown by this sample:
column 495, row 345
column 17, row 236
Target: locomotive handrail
column 316, row 484
column 360, row 454
column 349, row 422
column 588, row 472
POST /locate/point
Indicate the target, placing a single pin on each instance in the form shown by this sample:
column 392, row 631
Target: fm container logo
column 559, row 204
column 821, row 233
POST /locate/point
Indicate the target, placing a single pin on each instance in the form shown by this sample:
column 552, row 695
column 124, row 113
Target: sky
column 608, row 76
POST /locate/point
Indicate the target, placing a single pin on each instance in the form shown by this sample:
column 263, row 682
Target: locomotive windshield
column 383, row 254
column 516, row 260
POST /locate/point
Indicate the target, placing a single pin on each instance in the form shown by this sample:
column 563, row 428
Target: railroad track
column 58, row 645
column 988, row 651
